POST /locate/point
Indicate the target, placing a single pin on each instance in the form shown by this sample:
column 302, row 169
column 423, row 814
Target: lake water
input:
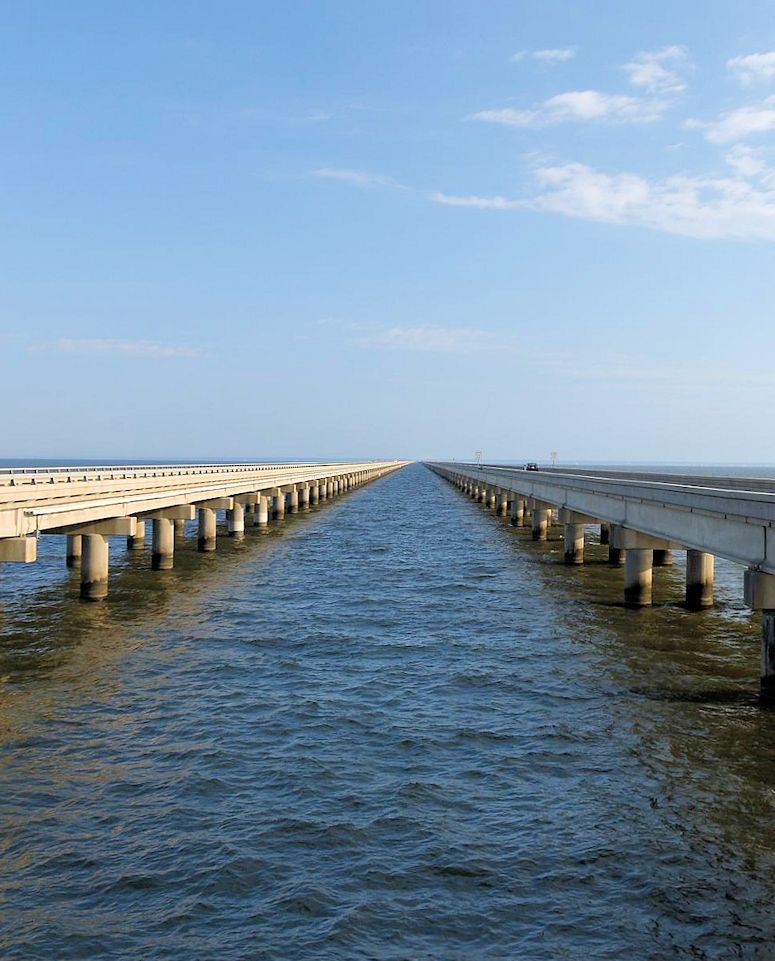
column 390, row 728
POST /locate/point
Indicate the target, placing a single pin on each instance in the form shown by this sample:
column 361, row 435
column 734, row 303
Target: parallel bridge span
column 644, row 517
column 89, row 504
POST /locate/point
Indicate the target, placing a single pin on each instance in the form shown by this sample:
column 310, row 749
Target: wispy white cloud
column 551, row 55
column 661, row 71
column 473, row 200
column 706, row 207
column 740, row 123
column 578, row 105
column 748, row 161
column 753, row 67
column 358, row 178
column 141, row 348
column 434, row 339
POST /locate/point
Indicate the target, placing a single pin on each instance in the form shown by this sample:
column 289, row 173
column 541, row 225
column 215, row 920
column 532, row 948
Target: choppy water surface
column 391, row 728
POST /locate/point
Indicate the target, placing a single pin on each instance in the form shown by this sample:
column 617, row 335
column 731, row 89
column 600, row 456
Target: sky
column 416, row 229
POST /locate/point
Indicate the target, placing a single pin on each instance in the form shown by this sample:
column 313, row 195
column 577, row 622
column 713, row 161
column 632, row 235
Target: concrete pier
column 304, row 497
column 759, row 590
column 503, row 503
column 94, row 567
column 616, row 556
column 278, row 503
column 638, row 577
column 162, row 544
column 235, row 520
column 314, row 494
column 605, row 533
column 180, row 528
column 699, row 580
column 574, row 544
column 136, row 541
column 261, row 517
column 74, row 550
column 540, row 525
column 207, row 530
column 663, row 558
column 293, row 501
column 517, row 511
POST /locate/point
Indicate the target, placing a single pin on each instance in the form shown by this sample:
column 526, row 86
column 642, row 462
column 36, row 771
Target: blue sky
column 417, row 229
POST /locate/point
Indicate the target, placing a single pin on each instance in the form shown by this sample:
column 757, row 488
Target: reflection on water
column 391, row 728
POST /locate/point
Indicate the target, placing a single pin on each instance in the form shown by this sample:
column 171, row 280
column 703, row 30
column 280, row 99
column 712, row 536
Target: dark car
column 531, row 466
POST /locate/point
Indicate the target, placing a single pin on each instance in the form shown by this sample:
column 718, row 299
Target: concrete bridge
column 644, row 517
column 87, row 505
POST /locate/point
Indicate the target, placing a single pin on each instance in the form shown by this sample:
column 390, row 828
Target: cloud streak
column 551, row 55
column 434, row 339
column 704, row 207
column 740, row 123
column 578, row 106
column 358, row 178
column 754, row 67
column 661, row 72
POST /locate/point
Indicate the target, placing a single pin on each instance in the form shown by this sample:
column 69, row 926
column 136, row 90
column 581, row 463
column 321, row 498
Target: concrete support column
column 293, row 501
column 261, row 517
column 180, row 528
column 699, row 579
column 767, row 687
column 605, row 533
column 518, row 511
column 663, row 558
column 94, row 567
column 574, row 543
column 760, row 595
column 235, row 520
column 616, row 555
column 278, row 504
column 540, row 523
column 74, row 550
column 136, row 542
column 331, row 488
column 638, row 577
column 314, row 493
column 492, row 499
column 162, row 544
column 503, row 504
column 207, row 536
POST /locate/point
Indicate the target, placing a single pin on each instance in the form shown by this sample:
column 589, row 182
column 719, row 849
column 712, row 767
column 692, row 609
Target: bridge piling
column 94, row 567
column 162, row 544
column 699, row 580
column 207, row 530
column 74, row 550
column 136, row 541
column 638, row 577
